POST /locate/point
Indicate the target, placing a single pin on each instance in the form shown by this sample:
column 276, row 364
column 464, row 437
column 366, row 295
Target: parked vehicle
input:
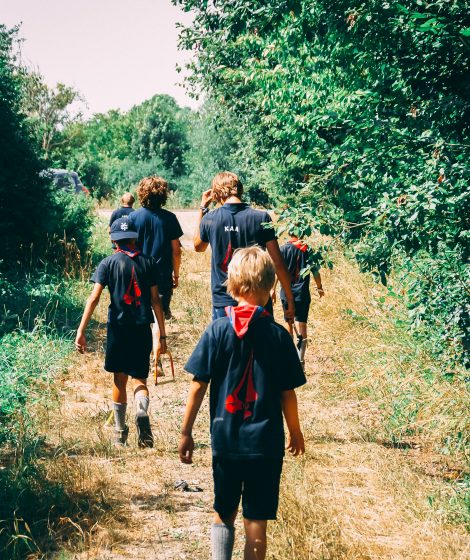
column 68, row 181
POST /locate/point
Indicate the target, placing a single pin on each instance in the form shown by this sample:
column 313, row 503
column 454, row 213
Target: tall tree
column 49, row 109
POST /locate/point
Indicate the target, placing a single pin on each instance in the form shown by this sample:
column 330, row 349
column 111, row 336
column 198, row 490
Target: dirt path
column 348, row 498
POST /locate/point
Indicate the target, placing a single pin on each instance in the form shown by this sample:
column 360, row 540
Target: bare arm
column 90, row 306
column 284, row 277
column 176, row 257
column 157, row 309
column 197, row 390
column 274, row 290
column 317, row 278
column 199, row 245
column 290, row 410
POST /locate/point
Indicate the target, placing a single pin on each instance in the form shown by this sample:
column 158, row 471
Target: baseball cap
column 123, row 228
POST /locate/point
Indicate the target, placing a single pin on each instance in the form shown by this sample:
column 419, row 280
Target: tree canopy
column 356, row 116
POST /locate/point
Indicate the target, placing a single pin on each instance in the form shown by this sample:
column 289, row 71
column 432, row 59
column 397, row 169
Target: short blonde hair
column 152, row 192
column 224, row 185
column 127, row 198
column 250, row 270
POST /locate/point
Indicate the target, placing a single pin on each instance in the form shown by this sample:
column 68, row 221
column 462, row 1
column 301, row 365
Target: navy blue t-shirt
column 156, row 230
column 228, row 228
column 247, row 377
column 120, row 213
column 129, row 281
column 297, row 260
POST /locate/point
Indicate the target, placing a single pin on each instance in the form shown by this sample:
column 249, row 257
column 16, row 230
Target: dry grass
column 353, row 496
column 371, row 356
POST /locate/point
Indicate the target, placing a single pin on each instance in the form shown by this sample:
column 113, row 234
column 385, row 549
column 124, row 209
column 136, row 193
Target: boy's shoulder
column 263, row 327
column 140, row 258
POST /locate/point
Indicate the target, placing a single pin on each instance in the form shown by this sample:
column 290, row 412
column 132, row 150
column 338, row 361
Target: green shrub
column 29, row 361
column 338, row 121
column 72, row 218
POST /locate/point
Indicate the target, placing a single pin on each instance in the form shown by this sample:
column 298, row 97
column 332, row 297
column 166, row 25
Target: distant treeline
column 42, row 127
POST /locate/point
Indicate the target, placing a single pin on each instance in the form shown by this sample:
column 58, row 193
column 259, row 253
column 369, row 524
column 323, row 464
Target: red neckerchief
column 133, row 292
column 233, row 402
column 242, row 316
column 130, row 254
column 299, row 244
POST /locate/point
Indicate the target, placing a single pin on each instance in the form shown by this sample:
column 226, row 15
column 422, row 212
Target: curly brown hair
column 152, row 192
column 224, row 185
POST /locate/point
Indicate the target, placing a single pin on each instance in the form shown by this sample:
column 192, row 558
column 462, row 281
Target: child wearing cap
column 297, row 256
column 131, row 280
column 126, row 208
column 253, row 368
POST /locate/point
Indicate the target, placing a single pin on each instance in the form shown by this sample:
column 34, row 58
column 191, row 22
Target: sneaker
column 120, row 437
column 144, row 431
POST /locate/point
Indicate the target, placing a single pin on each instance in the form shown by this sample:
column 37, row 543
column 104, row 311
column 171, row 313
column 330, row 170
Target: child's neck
column 253, row 299
column 131, row 247
column 232, row 200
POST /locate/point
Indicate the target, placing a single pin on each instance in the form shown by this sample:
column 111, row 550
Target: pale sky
column 117, row 53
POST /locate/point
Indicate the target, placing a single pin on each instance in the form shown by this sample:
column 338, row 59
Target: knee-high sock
column 141, row 404
column 222, row 540
column 119, row 415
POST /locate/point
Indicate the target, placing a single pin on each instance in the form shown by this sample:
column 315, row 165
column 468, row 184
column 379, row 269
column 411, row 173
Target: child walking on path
column 131, row 280
column 253, row 367
column 235, row 225
column 126, row 208
column 296, row 255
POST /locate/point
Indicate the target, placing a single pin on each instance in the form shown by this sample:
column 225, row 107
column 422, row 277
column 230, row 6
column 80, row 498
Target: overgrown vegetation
column 325, row 111
column 355, row 116
column 32, row 211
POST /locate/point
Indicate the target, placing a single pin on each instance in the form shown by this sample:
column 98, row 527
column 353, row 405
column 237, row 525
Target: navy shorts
column 128, row 350
column 255, row 481
column 301, row 310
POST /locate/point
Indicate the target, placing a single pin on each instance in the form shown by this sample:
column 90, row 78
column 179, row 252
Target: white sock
column 119, row 415
column 222, row 540
column 141, row 404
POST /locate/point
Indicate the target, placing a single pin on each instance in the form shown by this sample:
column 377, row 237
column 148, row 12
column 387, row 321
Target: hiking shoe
column 144, row 431
column 120, row 437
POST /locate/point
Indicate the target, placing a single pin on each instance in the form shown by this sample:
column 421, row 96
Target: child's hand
column 289, row 313
column 206, row 198
column 321, row 292
column 163, row 346
column 80, row 343
column 185, row 449
column 296, row 444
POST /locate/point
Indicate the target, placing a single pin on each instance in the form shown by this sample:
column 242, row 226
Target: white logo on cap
column 124, row 226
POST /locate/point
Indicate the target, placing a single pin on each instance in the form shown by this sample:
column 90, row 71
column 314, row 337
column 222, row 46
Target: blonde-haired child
column 253, row 368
